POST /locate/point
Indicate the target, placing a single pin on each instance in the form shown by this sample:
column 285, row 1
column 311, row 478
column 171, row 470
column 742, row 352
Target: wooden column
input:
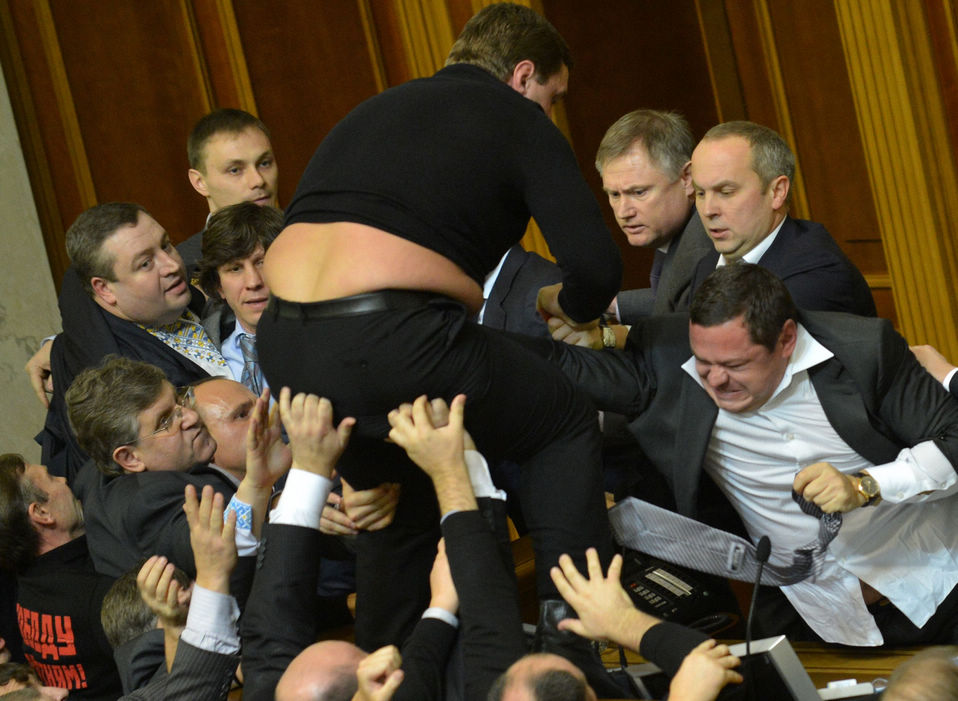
column 910, row 161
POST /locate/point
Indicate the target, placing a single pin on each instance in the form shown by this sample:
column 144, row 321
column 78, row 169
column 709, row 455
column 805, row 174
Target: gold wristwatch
column 868, row 488
column 608, row 337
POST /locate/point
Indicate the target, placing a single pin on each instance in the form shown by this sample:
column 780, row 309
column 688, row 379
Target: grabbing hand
column 316, row 444
column 267, row 457
column 435, row 449
column 162, row 592
column 587, row 338
column 830, row 490
column 547, row 304
column 39, row 371
column 379, row 675
column 605, row 610
column 704, row 672
column 212, row 538
column 371, row 509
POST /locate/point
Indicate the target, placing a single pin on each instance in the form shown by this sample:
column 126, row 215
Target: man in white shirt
column 760, row 400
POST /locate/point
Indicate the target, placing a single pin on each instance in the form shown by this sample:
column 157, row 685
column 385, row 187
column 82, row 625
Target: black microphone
column 762, row 551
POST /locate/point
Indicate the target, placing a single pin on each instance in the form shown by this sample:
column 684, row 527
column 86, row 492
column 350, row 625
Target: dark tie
column 657, row 263
column 252, row 375
column 684, row 541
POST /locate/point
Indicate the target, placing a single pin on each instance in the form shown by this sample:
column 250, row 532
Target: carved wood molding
column 65, row 104
column 911, row 169
column 34, row 151
column 236, row 55
column 799, row 204
column 372, row 44
column 426, row 35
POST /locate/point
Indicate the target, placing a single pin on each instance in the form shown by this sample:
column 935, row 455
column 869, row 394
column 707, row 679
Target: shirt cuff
column 947, row 381
column 923, row 468
column 246, row 542
column 303, row 499
column 482, row 485
column 211, row 622
column 442, row 614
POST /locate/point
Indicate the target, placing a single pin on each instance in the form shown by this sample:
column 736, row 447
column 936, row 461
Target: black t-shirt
column 458, row 163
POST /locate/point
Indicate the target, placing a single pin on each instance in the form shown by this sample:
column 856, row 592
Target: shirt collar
column 755, row 255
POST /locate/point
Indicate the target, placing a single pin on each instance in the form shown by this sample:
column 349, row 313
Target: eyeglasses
column 185, row 398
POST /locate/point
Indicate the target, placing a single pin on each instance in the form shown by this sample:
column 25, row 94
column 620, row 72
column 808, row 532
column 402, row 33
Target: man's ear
column 128, row 459
column 685, row 175
column 103, row 290
column 780, row 187
column 198, row 181
column 788, row 337
column 524, row 71
column 39, row 515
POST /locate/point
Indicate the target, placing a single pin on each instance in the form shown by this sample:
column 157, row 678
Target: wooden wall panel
column 630, row 55
column 309, row 65
column 826, row 129
column 135, row 81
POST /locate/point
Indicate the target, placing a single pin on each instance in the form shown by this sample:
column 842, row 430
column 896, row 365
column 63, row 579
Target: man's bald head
column 325, row 671
column 539, row 677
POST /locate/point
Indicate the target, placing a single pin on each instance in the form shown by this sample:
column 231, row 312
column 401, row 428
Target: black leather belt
column 380, row 301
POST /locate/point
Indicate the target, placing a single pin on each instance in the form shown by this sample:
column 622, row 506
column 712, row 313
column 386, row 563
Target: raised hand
column 212, row 538
column 315, row 443
column 379, row 675
column 605, row 610
column 704, row 672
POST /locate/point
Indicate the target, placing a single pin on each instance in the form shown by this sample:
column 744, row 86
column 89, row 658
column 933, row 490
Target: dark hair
column 86, row 235
column 226, row 120
column 343, row 686
column 17, row 672
column 19, row 540
column 771, row 155
column 502, row 35
column 103, row 403
column 124, row 614
column 550, row 685
column 558, row 685
column 744, row 289
column 666, row 137
column 233, row 233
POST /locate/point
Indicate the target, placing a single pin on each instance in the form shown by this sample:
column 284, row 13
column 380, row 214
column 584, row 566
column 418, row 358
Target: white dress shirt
column 906, row 550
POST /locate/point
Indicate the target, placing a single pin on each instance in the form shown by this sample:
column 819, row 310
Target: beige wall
column 28, row 309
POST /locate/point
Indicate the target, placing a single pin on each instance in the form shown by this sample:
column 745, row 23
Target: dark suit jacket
column 196, row 674
column 512, row 302
column 874, row 393
column 953, row 385
column 130, row 517
column 816, row 272
column 675, row 283
column 281, row 619
column 89, row 334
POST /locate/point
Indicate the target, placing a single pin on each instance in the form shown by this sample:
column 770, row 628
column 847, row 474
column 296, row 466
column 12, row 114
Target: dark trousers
column 518, row 407
column 774, row 615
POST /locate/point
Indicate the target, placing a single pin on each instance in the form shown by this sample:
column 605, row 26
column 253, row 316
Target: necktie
column 252, row 375
column 657, row 263
column 665, row 534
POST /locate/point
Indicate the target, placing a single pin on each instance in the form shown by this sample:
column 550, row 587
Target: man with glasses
column 147, row 444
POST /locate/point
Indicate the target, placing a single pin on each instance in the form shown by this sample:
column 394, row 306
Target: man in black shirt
column 42, row 539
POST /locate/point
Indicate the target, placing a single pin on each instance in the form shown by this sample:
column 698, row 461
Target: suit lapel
column 696, row 419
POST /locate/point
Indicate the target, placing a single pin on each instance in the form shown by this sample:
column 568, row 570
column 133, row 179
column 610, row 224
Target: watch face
column 869, row 486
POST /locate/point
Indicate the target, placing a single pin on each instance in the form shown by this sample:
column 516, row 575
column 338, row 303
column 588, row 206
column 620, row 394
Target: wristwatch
column 868, row 488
